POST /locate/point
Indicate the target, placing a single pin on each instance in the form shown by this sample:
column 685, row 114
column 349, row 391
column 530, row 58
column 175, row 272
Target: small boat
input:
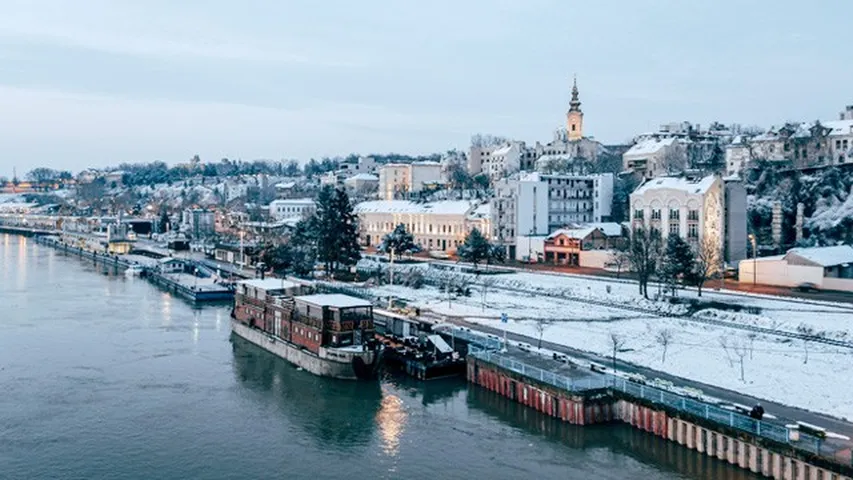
column 133, row 271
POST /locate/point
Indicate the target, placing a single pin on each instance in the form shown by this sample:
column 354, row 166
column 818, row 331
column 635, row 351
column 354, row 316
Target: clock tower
column 574, row 117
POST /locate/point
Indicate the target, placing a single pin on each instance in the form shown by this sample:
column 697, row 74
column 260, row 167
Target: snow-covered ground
column 774, row 368
column 808, row 375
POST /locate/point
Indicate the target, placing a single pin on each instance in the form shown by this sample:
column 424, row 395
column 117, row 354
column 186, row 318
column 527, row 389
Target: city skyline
column 108, row 82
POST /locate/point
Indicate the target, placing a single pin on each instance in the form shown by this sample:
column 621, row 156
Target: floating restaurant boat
column 330, row 335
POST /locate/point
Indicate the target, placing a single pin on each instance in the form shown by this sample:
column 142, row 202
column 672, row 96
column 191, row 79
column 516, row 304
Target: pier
column 580, row 395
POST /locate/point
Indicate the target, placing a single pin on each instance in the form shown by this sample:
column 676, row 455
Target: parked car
column 806, row 287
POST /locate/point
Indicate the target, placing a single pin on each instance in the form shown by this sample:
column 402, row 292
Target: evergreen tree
column 678, row 261
column 476, row 248
column 302, row 247
column 336, row 230
column 398, row 241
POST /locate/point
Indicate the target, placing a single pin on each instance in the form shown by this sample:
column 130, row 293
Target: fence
column 475, row 342
column 711, row 413
column 551, row 378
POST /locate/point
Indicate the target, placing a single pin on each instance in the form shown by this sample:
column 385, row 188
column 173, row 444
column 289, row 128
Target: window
column 693, row 215
column 692, row 230
column 674, row 229
column 656, row 214
column 638, row 214
column 573, row 127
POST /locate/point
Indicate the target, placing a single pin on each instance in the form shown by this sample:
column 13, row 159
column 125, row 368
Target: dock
column 583, row 394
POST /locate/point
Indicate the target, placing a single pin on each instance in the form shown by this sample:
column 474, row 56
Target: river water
column 106, row 377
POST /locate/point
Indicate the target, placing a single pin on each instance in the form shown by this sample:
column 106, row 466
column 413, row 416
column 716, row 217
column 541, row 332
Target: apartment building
column 401, row 180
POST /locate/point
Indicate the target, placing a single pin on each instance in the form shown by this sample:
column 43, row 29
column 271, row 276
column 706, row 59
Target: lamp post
column 754, row 261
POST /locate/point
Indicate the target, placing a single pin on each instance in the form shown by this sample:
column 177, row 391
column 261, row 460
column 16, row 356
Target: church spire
column 575, row 104
column 574, row 117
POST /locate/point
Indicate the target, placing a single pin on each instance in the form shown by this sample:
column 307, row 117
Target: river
column 107, row 377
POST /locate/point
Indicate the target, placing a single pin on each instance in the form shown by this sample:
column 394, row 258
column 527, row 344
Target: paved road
column 779, row 410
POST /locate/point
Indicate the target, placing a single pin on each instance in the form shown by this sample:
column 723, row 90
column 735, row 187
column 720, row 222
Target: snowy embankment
column 791, row 371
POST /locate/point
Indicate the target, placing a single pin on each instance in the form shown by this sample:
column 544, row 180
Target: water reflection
column 332, row 412
column 392, row 420
column 619, row 438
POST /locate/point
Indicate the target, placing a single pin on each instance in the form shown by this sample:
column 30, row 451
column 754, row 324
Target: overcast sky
column 97, row 82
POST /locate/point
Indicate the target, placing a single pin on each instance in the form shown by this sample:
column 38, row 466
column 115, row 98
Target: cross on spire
column 575, row 104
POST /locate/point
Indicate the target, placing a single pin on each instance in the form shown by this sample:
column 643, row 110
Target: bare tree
column 541, row 325
column 617, row 342
column 751, row 336
column 741, row 350
column 707, row 262
column 724, row 343
column 674, row 159
column 486, row 283
column 664, row 337
column 619, row 259
column 643, row 252
column 805, row 331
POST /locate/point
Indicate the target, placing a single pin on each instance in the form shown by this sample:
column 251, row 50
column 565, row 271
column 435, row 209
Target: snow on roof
column 336, row 300
column 285, row 185
column 293, row 201
column 444, row 207
column 677, row 183
column 840, row 127
column 427, row 163
column 579, row 233
column 482, row 211
column 611, row 229
column 650, row 146
column 825, row 256
column 363, row 176
column 269, row 283
column 502, row 150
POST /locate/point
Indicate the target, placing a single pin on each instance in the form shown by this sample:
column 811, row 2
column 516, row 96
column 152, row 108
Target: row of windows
column 455, row 229
column 674, row 229
column 307, row 334
column 579, row 207
column 674, row 214
column 839, row 144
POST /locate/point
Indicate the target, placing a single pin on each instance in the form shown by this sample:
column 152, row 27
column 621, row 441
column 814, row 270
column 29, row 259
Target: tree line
column 673, row 262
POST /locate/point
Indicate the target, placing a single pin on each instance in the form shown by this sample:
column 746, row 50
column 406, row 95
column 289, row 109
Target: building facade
column 439, row 226
column 692, row 208
column 198, row 223
column 401, row 180
column 293, row 208
column 537, row 204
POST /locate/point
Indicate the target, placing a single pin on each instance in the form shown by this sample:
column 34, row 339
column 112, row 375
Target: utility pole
column 754, row 261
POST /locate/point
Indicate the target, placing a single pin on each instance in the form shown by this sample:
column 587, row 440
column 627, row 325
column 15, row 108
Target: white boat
column 133, row 271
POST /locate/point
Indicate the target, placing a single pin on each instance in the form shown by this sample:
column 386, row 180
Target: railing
column 551, row 378
column 706, row 411
column 475, row 342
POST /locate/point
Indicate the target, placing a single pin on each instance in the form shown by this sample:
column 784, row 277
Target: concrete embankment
column 577, row 396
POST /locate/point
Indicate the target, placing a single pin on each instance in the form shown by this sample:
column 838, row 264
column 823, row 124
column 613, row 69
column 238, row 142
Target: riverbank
column 153, row 387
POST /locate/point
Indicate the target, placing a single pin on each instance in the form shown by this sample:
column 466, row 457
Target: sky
column 93, row 83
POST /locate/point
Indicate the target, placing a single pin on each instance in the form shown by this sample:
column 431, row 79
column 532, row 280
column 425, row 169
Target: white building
column 435, row 226
column 401, row 180
column 363, row 183
column 536, row 204
column 497, row 161
column 653, row 155
column 363, row 165
column 825, row 268
column 689, row 207
column 292, row 208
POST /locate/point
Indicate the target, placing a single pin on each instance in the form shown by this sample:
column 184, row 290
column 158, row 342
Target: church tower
column 574, row 117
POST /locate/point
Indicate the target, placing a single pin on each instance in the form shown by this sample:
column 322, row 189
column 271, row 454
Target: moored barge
column 330, row 335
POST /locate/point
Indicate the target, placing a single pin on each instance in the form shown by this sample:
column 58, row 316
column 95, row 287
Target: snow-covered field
column 808, row 375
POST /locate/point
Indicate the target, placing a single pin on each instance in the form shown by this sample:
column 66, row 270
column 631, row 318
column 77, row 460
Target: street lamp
column 754, row 262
